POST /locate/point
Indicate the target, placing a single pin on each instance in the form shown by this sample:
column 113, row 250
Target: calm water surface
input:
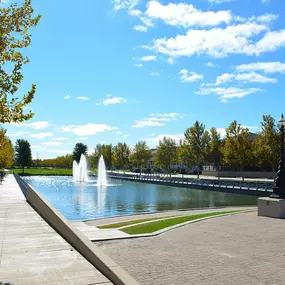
column 81, row 201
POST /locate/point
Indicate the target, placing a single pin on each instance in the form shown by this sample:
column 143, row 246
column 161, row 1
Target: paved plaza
column 31, row 252
column 241, row 249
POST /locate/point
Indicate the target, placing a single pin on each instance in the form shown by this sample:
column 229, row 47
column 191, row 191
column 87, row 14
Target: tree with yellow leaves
column 7, row 151
column 15, row 23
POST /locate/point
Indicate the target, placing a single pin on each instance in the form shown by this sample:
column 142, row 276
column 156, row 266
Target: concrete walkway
column 94, row 233
column 31, row 252
column 241, row 249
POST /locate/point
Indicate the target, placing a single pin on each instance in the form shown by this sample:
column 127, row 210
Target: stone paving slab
column 94, row 233
column 31, row 252
column 241, row 249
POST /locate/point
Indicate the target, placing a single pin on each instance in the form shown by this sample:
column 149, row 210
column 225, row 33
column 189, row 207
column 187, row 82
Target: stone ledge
column 271, row 207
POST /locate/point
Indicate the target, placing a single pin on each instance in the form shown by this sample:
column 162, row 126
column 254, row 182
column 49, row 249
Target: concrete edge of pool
column 74, row 237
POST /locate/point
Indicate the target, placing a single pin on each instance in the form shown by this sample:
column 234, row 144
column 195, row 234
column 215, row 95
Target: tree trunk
column 241, row 170
column 23, row 169
column 218, row 168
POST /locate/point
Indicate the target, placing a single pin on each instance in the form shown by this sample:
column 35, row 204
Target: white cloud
column 60, row 139
column 41, row 135
column 239, row 38
column 51, row 143
column 147, row 123
column 125, row 136
column 17, row 134
column 67, row 97
column 228, row 93
column 39, row 125
column 266, row 18
column 83, row 138
column 254, row 77
column 148, row 58
column 153, row 141
column 113, row 100
column 253, row 129
column 168, row 116
column 265, row 1
column 140, row 28
column 210, row 64
column 170, row 60
column 119, row 133
column 135, row 12
column 86, row 130
column 125, row 4
column 155, row 73
column 187, row 76
column 220, row 1
column 186, row 15
column 146, row 21
column 222, row 132
column 157, row 120
column 139, row 65
column 266, row 67
column 82, row 98
column 224, row 78
column 270, row 42
column 244, row 77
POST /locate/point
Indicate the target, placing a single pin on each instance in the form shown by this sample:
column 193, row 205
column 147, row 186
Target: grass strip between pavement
column 162, row 224
column 132, row 222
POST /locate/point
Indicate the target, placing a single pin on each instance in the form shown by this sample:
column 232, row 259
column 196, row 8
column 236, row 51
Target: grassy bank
column 42, row 171
column 127, row 223
column 154, row 226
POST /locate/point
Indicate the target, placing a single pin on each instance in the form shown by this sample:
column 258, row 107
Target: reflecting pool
column 82, row 201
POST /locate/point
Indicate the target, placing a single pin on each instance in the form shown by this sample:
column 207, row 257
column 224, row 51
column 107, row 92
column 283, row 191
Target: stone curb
column 171, row 228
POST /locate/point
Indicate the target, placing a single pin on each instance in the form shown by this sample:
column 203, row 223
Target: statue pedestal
column 270, row 207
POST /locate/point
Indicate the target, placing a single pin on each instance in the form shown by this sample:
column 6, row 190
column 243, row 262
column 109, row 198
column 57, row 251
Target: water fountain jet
column 102, row 177
column 79, row 170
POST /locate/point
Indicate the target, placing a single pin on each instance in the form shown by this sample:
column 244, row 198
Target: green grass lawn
column 42, row 171
column 122, row 224
column 158, row 225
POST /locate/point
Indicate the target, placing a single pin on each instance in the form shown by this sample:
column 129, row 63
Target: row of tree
column 238, row 150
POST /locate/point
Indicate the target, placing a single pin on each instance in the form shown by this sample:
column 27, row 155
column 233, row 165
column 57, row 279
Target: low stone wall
column 74, row 237
column 245, row 174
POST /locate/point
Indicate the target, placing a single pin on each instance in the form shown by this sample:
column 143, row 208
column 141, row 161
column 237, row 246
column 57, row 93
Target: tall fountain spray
column 102, row 177
column 79, row 170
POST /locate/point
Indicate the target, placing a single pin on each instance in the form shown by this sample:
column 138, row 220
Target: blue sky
column 110, row 71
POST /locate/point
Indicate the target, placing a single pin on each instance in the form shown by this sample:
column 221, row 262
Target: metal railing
column 251, row 186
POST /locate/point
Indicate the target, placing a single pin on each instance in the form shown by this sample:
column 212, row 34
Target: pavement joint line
column 170, row 228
